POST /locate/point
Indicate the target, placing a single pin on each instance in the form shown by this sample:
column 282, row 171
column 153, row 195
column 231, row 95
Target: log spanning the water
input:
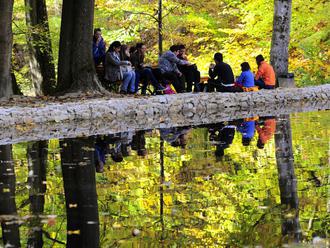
column 105, row 116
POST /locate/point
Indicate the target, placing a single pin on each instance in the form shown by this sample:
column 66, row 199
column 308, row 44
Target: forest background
column 239, row 29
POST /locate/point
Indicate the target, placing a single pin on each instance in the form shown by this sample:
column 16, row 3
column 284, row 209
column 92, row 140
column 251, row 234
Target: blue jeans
column 128, row 84
column 262, row 84
column 146, row 75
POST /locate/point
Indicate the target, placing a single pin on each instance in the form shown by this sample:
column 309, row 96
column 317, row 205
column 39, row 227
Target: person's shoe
column 161, row 88
column 123, row 92
column 99, row 167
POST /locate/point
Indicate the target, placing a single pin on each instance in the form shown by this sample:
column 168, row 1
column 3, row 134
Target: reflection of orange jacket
column 266, row 73
column 267, row 131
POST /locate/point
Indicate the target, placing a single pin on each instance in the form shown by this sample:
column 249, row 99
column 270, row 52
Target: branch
column 142, row 13
column 54, row 240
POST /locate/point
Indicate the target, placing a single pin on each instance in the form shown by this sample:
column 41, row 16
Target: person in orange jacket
column 265, row 77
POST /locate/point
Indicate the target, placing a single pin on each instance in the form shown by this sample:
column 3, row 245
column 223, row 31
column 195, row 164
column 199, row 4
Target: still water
column 258, row 182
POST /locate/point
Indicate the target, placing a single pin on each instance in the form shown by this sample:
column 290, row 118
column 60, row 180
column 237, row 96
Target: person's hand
column 212, row 66
column 180, row 74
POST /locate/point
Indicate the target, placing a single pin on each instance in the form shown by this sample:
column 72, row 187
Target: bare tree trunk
column 279, row 54
column 37, row 161
column 40, row 48
column 77, row 160
column 76, row 70
column 6, row 42
column 287, row 178
column 10, row 228
column 160, row 27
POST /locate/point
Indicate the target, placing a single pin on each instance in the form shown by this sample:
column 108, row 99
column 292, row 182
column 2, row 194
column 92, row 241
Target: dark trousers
column 262, row 84
column 145, row 75
column 192, row 76
column 213, row 85
column 178, row 82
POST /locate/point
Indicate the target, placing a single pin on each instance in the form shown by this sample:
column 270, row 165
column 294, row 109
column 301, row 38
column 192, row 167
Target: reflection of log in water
column 77, row 160
column 37, row 162
column 287, row 178
column 10, row 229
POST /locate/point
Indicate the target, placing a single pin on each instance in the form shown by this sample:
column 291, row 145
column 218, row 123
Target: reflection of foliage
column 234, row 201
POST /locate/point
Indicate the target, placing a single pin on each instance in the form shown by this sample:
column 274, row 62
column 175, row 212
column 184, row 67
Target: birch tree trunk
column 279, row 55
column 6, row 42
column 76, row 70
column 40, row 48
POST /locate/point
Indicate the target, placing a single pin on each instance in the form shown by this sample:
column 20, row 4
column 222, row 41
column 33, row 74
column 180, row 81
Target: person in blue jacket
column 99, row 47
column 246, row 79
column 247, row 129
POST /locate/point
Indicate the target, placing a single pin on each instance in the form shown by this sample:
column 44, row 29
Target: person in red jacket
column 265, row 77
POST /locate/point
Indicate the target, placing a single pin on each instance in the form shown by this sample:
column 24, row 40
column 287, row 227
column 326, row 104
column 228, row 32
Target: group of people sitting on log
column 126, row 65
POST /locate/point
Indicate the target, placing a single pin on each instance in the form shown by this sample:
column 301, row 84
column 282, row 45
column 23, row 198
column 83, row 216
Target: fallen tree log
column 103, row 116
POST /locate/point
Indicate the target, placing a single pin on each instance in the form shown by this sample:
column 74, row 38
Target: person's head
column 124, row 52
column 142, row 48
column 97, row 33
column 181, row 141
column 175, row 49
column 182, row 49
column 246, row 141
column 245, row 66
column 117, row 157
column 142, row 152
column 218, row 58
column 260, row 144
column 115, row 46
column 259, row 59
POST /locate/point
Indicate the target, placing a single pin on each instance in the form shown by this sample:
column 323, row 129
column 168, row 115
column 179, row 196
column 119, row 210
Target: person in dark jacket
column 143, row 72
column 98, row 47
column 221, row 76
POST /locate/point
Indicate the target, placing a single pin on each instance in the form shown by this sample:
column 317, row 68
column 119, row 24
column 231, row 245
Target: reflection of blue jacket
column 246, row 79
column 98, row 50
column 247, row 129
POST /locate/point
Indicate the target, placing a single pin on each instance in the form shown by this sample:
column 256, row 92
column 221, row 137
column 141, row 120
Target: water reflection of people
column 139, row 143
column 266, row 128
column 223, row 135
column 176, row 137
column 247, row 129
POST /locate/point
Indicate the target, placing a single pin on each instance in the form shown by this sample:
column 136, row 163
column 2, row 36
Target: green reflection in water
column 206, row 201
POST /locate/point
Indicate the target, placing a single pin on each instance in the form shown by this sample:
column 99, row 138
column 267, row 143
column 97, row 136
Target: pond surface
column 229, row 184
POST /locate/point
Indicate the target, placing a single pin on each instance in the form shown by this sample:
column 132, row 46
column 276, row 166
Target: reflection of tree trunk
column 287, row 178
column 37, row 161
column 77, row 160
column 161, row 189
column 10, row 230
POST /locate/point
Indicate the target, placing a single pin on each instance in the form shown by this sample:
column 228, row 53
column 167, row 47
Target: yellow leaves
column 28, row 125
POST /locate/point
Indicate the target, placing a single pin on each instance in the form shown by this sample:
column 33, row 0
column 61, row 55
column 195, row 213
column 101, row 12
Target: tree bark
column 279, row 55
column 6, row 42
column 10, row 228
column 76, row 70
column 77, row 161
column 287, row 178
column 160, row 27
column 37, row 162
column 40, row 48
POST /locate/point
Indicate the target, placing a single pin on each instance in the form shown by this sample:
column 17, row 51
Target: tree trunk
column 160, row 27
column 279, row 54
column 6, row 42
column 76, row 70
column 37, row 162
column 77, row 160
column 40, row 48
column 10, row 228
column 287, row 178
